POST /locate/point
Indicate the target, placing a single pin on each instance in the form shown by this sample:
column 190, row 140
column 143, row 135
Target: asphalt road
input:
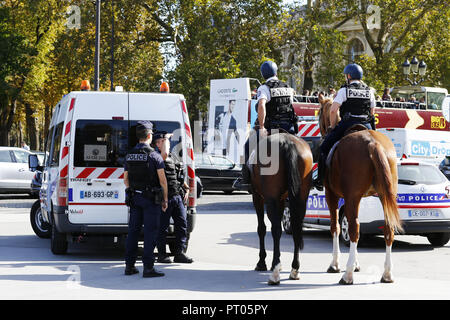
column 224, row 246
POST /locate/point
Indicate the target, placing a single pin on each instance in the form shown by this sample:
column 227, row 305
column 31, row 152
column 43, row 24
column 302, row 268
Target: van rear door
column 99, row 143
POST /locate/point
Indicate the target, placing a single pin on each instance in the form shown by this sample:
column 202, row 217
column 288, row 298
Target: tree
column 210, row 39
column 405, row 28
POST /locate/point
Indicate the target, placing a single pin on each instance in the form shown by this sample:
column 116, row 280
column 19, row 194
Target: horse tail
column 385, row 186
column 288, row 150
column 289, row 153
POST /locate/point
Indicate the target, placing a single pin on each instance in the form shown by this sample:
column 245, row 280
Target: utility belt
column 359, row 117
column 154, row 194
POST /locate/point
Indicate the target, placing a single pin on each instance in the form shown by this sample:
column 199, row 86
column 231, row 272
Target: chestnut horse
column 282, row 168
column 363, row 164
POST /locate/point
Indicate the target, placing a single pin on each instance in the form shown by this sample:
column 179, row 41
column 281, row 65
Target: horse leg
column 258, row 203
column 333, row 202
column 351, row 212
column 389, row 239
column 273, row 211
column 297, row 209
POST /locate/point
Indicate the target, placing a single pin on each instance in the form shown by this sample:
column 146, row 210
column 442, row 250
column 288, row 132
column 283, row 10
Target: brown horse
column 282, row 169
column 363, row 164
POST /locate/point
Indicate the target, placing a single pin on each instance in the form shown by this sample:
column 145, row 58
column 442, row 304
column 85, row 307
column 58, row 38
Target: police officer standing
column 177, row 194
column 275, row 111
column 146, row 185
column 356, row 104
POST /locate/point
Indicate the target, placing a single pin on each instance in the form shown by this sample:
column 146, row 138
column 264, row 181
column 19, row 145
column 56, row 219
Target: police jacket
column 142, row 174
column 174, row 176
column 279, row 108
column 358, row 100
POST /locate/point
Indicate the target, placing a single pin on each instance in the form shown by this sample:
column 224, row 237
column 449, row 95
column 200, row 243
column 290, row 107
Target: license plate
column 99, row 194
column 420, row 213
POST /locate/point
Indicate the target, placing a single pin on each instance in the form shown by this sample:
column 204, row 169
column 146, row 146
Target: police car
column 423, row 201
column 90, row 133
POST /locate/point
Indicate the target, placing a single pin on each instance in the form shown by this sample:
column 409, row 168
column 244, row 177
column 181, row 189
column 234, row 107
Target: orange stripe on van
column 65, row 152
column 72, row 103
column 85, row 173
column 64, row 171
column 105, row 174
column 67, row 128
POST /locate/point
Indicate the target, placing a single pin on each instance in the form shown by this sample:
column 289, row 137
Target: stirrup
column 239, row 185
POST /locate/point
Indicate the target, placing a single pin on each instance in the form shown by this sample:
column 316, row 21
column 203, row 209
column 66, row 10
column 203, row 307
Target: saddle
column 352, row 129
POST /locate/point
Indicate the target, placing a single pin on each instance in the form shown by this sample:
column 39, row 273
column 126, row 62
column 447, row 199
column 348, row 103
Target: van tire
column 58, row 241
column 438, row 239
column 41, row 228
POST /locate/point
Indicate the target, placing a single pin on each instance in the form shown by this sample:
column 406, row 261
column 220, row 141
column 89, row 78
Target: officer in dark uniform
column 275, row 111
column 146, row 196
column 178, row 191
column 355, row 103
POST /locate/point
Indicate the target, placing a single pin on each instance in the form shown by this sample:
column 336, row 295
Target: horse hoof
column 357, row 269
column 294, row 275
column 273, row 283
column 333, row 269
column 345, row 283
column 261, row 267
column 383, row 280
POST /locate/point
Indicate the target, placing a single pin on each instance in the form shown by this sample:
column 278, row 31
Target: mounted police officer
column 146, row 185
column 275, row 112
column 355, row 102
column 178, row 191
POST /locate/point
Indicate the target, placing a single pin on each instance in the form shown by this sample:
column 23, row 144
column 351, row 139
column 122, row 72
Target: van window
column 100, row 143
column 5, row 156
column 56, row 148
column 413, row 174
column 167, row 126
column 105, row 143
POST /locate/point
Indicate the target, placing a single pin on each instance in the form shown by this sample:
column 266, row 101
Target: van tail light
column 61, row 192
column 404, row 156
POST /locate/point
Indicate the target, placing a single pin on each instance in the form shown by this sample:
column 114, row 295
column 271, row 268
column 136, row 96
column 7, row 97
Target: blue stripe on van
column 70, row 195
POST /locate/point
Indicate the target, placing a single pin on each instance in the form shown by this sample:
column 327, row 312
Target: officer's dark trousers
column 177, row 211
column 254, row 137
column 337, row 133
column 146, row 212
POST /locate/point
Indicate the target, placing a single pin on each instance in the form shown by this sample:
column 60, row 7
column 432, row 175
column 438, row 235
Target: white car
column 423, row 201
column 15, row 176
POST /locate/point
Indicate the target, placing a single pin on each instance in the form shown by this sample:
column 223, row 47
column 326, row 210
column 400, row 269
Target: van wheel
column 58, row 241
column 286, row 220
column 438, row 239
column 343, row 223
column 41, row 228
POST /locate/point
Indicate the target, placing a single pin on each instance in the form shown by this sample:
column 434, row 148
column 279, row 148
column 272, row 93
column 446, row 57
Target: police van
column 90, row 133
column 423, row 145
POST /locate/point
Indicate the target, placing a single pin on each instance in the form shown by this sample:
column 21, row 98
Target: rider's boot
column 243, row 183
column 318, row 181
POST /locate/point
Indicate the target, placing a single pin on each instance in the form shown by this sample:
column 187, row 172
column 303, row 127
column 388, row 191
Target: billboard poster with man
column 228, row 117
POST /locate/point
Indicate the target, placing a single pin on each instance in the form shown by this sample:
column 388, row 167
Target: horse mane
column 324, row 114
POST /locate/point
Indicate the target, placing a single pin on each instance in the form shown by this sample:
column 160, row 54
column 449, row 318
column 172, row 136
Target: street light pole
column 416, row 68
column 97, row 47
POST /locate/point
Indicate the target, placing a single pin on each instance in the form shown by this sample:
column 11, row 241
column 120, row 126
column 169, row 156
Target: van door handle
column 21, row 170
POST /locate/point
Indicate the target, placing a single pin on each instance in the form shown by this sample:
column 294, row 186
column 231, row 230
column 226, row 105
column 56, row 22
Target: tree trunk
column 308, row 64
column 32, row 132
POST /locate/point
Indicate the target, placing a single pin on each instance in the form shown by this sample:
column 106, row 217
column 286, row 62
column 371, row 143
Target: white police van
column 423, row 200
column 90, row 133
column 431, row 146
